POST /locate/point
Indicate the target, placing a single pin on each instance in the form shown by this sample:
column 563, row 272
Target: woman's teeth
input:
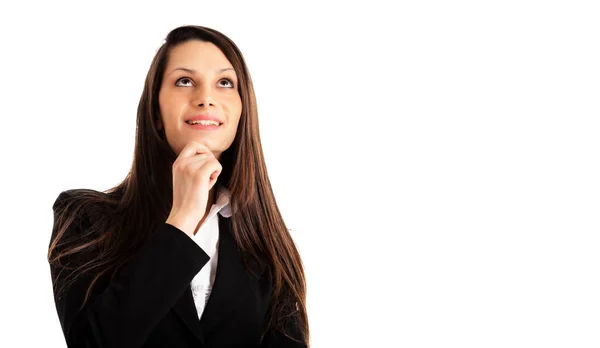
column 203, row 122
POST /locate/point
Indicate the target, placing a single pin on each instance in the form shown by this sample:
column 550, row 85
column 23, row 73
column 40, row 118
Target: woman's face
column 199, row 81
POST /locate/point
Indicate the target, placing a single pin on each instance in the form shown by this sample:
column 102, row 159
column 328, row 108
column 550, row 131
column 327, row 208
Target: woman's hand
column 195, row 171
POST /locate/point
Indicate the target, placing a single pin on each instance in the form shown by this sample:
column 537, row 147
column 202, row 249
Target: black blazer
column 149, row 303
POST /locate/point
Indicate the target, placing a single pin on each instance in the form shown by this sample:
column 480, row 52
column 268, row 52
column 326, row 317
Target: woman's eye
column 228, row 80
column 177, row 83
column 181, row 79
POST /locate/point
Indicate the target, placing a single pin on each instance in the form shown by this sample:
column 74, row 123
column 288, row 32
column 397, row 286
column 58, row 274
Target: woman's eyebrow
column 192, row 71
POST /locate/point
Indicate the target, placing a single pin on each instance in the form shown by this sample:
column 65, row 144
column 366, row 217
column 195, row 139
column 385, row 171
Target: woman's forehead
column 198, row 57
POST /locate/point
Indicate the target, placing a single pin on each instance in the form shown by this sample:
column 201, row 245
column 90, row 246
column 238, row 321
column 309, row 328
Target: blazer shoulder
column 87, row 201
column 83, row 207
column 76, row 195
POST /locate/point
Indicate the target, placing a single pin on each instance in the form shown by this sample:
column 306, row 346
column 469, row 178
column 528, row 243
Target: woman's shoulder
column 81, row 215
column 85, row 205
column 73, row 196
column 90, row 199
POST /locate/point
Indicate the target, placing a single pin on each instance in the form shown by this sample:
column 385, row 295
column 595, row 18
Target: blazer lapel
column 232, row 281
column 186, row 309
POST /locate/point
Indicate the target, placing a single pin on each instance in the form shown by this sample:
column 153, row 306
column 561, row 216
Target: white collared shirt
column 207, row 238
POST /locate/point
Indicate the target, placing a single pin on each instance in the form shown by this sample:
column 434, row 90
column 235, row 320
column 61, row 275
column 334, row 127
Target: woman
column 135, row 266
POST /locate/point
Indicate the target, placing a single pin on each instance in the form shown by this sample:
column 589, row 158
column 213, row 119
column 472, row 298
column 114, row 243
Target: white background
column 437, row 161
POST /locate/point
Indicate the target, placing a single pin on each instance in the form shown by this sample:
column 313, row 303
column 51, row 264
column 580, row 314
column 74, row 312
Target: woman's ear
column 159, row 125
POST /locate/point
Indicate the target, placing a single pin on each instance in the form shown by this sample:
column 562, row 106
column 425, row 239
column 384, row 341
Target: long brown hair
column 122, row 217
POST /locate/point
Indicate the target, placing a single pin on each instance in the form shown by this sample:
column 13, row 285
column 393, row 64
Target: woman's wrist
column 182, row 224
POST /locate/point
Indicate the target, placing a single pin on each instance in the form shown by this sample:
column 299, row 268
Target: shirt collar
column 222, row 205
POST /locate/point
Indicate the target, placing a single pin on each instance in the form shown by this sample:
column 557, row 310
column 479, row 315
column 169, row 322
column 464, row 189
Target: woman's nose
column 203, row 97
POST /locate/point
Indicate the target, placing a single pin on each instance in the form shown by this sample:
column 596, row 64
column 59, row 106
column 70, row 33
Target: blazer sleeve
column 124, row 312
